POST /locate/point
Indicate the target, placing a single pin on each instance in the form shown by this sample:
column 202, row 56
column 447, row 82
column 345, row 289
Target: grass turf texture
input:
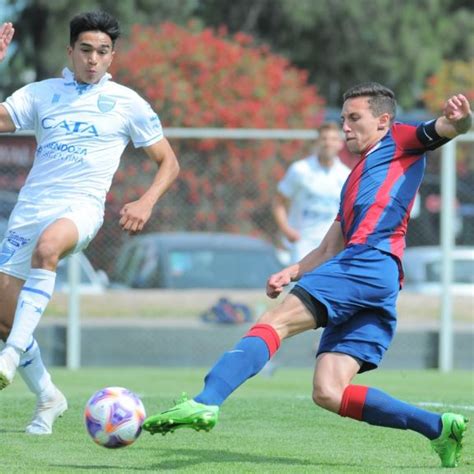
column 269, row 425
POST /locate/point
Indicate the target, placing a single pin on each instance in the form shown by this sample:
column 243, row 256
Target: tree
column 343, row 42
column 451, row 78
column 339, row 42
column 198, row 78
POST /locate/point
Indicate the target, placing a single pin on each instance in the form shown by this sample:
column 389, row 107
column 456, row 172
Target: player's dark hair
column 94, row 21
column 381, row 98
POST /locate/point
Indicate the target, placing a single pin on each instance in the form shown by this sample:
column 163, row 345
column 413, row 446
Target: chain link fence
column 227, row 185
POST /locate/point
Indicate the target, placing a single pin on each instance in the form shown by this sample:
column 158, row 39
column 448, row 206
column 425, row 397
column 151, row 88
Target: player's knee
column 327, row 397
column 277, row 321
column 46, row 255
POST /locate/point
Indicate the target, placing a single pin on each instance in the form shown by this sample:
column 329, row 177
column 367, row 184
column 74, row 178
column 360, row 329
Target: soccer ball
column 114, row 417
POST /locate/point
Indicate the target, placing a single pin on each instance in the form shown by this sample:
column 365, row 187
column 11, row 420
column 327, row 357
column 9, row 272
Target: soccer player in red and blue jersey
column 350, row 283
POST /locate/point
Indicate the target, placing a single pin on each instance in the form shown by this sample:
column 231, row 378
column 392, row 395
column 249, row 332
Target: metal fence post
column 448, row 196
column 73, row 354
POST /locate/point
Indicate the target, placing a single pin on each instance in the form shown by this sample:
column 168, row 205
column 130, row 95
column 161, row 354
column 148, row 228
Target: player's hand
column 134, row 216
column 292, row 235
column 6, row 35
column 456, row 108
column 277, row 282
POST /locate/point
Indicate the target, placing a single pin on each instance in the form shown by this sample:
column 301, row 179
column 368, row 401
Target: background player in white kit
column 82, row 124
column 307, row 200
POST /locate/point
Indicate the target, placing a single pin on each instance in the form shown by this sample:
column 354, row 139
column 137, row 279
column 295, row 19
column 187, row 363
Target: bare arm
column 6, row 122
column 137, row 213
column 280, row 214
column 331, row 245
column 456, row 118
column 6, row 35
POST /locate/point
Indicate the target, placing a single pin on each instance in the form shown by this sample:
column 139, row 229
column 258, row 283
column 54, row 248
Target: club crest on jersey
column 105, row 103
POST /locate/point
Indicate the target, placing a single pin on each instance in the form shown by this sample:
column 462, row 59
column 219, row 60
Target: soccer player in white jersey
column 82, row 123
column 308, row 195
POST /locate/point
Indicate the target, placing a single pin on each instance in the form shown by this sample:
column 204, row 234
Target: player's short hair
column 94, row 21
column 381, row 98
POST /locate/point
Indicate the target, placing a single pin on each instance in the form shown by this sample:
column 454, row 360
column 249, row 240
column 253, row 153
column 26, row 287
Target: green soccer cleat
column 449, row 444
column 185, row 414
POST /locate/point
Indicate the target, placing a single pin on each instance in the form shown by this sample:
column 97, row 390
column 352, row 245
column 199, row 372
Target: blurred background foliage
column 400, row 43
column 199, row 77
column 280, row 64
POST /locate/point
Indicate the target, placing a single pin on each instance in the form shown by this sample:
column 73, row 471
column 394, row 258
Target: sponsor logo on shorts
column 11, row 244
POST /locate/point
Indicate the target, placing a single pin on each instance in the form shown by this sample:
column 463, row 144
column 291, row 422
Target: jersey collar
column 69, row 80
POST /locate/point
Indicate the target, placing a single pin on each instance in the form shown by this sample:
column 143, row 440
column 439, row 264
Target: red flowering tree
column 197, row 77
column 453, row 77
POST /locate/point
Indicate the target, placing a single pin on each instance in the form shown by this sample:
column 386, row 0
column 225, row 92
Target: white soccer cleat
column 8, row 366
column 46, row 413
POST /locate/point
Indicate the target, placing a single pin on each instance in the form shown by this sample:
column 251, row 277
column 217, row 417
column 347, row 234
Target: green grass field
column 270, row 425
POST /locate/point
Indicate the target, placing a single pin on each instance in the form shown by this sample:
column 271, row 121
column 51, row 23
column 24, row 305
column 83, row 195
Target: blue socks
column 382, row 410
column 247, row 358
column 378, row 408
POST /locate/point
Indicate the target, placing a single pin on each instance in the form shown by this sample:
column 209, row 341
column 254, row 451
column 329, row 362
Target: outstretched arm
column 456, row 118
column 6, row 122
column 137, row 213
column 6, row 35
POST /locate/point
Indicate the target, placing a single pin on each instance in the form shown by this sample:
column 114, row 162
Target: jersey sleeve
column 144, row 126
column 21, row 106
column 418, row 138
column 287, row 186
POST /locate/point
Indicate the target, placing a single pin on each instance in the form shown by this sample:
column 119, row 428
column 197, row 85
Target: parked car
column 182, row 260
column 423, row 267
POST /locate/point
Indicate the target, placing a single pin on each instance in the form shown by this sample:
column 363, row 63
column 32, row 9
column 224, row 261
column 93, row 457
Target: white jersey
column 81, row 131
column 314, row 194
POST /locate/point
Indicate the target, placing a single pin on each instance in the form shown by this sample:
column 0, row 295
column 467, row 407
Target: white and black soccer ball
column 114, row 417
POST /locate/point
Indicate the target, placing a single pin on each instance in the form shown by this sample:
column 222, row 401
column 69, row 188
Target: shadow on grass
column 176, row 459
column 194, row 457
column 186, row 458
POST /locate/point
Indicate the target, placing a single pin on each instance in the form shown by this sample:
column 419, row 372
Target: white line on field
column 445, row 405
column 422, row 404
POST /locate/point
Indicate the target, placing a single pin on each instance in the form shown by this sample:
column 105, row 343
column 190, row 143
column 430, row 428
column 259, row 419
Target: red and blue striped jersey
column 379, row 193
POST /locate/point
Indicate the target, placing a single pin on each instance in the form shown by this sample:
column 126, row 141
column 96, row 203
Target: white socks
column 33, row 299
column 34, row 372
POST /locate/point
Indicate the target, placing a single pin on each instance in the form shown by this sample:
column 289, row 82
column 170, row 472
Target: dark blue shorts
column 359, row 287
